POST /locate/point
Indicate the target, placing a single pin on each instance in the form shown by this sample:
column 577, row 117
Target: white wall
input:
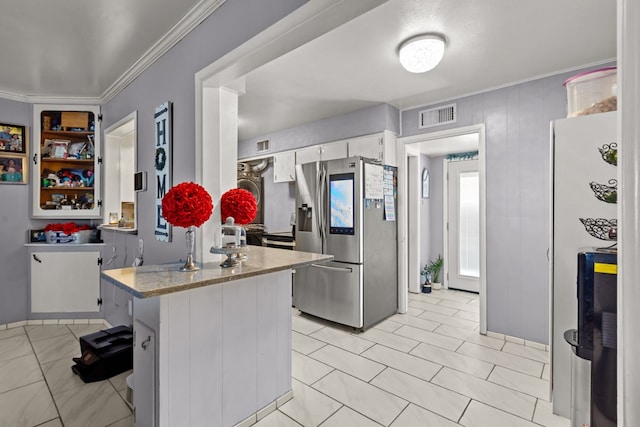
column 629, row 291
column 517, row 154
column 14, row 223
column 171, row 78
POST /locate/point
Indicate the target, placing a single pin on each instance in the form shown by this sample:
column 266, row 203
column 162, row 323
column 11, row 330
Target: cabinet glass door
column 66, row 162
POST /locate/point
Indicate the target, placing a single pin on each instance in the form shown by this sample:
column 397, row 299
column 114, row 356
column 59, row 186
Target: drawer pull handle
column 36, row 258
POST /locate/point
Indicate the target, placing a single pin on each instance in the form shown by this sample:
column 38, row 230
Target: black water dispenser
column 595, row 340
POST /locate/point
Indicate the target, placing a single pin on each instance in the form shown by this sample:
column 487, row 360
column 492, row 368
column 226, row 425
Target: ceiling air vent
column 437, row 116
column 262, row 146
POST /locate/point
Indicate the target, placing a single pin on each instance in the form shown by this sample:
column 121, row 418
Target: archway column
column 217, row 157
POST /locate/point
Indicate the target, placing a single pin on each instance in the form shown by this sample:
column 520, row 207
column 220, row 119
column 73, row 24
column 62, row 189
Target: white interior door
column 464, row 225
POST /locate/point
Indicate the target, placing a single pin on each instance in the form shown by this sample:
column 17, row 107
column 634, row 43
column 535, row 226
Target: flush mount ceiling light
column 421, row 53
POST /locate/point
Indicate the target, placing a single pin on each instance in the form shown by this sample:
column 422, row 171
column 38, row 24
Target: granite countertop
column 154, row 280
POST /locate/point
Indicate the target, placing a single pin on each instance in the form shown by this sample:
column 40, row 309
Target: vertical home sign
column 163, row 167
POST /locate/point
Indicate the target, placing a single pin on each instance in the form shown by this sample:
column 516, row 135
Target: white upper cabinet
column 284, row 166
column 334, row 150
column 66, row 161
column 380, row 146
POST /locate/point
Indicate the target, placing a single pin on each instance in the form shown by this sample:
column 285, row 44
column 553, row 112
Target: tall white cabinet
column 581, row 179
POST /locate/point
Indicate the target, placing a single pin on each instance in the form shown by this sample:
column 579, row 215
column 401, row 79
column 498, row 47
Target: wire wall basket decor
column 606, row 193
column 609, row 153
column 601, row 228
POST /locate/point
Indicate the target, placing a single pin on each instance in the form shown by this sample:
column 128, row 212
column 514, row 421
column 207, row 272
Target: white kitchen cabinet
column 380, row 146
column 64, row 280
column 66, row 161
column 316, row 153
column 284, row 167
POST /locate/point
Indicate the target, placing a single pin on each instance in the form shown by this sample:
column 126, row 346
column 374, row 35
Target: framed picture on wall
column 425, row 183
column 13, row 169
column 13, row 139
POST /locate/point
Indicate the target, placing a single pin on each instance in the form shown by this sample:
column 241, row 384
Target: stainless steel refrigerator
column 347, row 208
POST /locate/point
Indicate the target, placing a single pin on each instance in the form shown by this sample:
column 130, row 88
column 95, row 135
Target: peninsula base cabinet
column 65, row 281
column 214, row 355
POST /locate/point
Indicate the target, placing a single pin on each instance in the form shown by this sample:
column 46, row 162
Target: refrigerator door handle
column 339, row 269
column 322, row 213
column 318, row 202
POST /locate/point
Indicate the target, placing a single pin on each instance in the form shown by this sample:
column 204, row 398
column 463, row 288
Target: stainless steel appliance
column 347, row 208
column 280, row 240
column 250, row 179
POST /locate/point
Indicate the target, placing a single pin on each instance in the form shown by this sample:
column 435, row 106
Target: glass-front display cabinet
column 66, row 162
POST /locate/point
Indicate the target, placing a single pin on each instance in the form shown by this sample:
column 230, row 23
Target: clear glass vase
column 242, row 256
column 189, row 265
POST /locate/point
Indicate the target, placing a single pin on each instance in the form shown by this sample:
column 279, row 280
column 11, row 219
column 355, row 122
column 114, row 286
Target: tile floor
column 429, row 368
column 38, row 388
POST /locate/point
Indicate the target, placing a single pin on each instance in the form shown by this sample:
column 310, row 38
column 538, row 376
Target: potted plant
column 433, row 271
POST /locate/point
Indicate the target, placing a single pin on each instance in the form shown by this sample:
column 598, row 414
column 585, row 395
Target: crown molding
column 39, row 99
column 64, row 100
column 12, row 96
column 190, row 21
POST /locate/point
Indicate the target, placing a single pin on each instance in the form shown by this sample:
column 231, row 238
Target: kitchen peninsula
column 213, row 346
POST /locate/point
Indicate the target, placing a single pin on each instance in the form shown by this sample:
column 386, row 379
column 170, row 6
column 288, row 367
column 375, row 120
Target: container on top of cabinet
column 66, row 162
column 592, row 92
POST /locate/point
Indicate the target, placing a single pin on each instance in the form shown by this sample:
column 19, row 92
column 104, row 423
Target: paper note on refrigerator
column 389, row 209
column 388, row 183
column 373, row 181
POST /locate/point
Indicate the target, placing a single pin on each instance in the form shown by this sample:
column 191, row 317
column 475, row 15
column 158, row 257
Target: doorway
column 120, row 154
column 463, row 225
column 465, row 139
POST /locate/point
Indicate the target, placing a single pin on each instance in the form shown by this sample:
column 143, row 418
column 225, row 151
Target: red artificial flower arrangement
column 187, row 204
column 67, row 227
column 239, row 204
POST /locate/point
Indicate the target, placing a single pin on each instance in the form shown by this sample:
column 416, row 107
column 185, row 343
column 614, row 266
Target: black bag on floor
column 104, row 354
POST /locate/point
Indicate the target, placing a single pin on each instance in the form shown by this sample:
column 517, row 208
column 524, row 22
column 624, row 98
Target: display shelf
column 69, row 161
column 68, row 189
column 66, row 162
column 67, row 134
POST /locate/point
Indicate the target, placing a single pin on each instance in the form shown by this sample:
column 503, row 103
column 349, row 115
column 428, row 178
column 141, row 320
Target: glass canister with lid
column 228, row 240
